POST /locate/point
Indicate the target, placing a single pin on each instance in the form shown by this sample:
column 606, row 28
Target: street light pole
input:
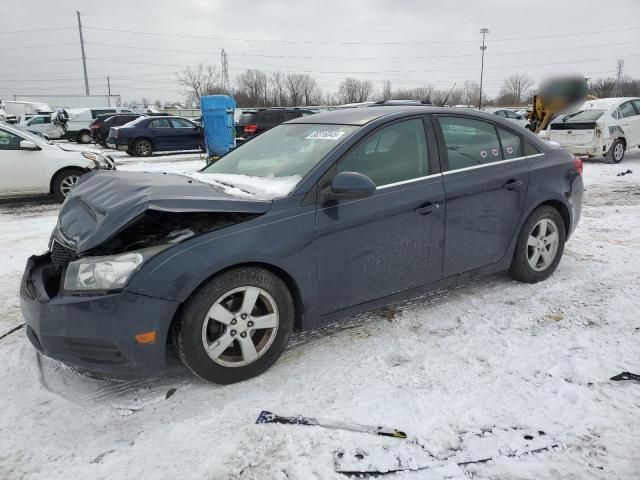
column 483, row 31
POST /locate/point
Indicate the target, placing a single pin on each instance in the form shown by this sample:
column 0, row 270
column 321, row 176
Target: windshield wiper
column 571, row 115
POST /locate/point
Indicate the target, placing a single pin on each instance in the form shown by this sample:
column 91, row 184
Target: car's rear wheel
column 539, row 247
column 616, row 152
column 84, row 136
column 142, row 147
column 64, row 182
column 236, row 326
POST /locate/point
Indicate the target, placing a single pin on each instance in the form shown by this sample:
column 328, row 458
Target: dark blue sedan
column 146, row 135
column 318, row 218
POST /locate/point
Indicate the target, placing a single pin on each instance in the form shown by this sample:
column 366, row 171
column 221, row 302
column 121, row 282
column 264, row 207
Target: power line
column 38, row 30
column 38, row 46
column 315, row 42
column 335, row 57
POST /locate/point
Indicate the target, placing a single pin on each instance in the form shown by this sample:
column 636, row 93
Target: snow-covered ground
column 491, row 353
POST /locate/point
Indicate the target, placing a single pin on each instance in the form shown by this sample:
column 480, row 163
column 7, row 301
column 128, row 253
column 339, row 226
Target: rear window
column 581, row 116
column 247, row 118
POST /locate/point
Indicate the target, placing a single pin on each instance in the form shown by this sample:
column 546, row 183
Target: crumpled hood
column 104, row 202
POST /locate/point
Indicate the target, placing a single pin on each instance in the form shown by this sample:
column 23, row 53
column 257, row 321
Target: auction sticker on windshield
column 324, row 135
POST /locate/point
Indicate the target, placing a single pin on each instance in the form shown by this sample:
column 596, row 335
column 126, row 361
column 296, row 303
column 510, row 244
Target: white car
column 509, row 115
column 604, row 127
column 41, row 124
column 31, row 165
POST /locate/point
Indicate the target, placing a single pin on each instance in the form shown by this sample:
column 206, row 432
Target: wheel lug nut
column 243, row 334
column 233, row 332
column 234, row 321
column 243, row 316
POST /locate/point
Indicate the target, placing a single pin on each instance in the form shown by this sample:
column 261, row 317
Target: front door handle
column 513, row 184
column 427, row 208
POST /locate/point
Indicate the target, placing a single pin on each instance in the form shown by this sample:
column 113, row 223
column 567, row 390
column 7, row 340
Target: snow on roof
column 604, row 103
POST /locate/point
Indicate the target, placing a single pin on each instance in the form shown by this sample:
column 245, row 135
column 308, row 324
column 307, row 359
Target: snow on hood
column 244, row 186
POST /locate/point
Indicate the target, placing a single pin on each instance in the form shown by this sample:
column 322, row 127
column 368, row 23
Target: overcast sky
column 409, row 42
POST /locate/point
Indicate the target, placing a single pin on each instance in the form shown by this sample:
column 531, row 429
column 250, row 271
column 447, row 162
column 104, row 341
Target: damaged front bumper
column 95, row 333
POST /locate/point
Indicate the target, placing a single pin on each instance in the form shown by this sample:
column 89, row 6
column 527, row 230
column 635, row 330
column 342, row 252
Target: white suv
column 603, row 127
column 31, row 165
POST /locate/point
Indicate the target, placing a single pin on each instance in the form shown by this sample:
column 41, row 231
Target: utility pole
column 618, row 90
column 84, row 57
column 225, row 71
column 109, row 90
column 483, row 47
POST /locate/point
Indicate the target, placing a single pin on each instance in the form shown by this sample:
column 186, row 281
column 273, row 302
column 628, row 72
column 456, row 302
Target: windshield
column 583, row 116
column 282, row 156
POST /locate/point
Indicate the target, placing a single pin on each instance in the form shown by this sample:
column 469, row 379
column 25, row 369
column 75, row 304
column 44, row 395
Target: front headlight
column 106, row 273
column 98, row 159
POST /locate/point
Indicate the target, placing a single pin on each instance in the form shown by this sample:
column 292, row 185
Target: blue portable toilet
column 218, row 123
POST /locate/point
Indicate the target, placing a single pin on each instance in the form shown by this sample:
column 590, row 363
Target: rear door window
column 180, row 123
column 469, row 142
column 511, row 144
column 160, row 123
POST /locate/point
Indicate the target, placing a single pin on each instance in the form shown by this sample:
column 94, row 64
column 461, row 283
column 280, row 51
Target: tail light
column 577, row 164
column 116, row 134
column 251, row 128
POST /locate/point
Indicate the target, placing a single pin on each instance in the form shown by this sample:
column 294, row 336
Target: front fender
column 282, row 240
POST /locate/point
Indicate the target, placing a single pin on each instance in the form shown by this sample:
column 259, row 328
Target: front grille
column 61, row 255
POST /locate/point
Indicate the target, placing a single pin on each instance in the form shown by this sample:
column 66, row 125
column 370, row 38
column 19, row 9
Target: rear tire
column 64, row 181
column 616, row 152
column 142, row 147
column 220, row 339
column 539, row 247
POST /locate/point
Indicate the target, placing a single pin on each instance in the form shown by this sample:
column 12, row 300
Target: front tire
column 236, row 326
column 142, row 147
column 616, row 152
column 539, row 247
column 84, row 136
column 64, row 182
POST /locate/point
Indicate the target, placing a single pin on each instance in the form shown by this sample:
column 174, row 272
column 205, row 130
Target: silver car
column 41, row 125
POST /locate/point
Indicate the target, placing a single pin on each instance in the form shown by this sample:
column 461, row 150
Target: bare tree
column 470, row 92
column 157, row 104
column 252, row 88
column 295, row 83
column 198, row 81
column 311, row 93
column 278, row 89
column 515, row 88
column 352, row 90
column 387, row 93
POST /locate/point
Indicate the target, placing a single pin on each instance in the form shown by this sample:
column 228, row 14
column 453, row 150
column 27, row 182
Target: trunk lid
column 105, row 202
column 572, row 133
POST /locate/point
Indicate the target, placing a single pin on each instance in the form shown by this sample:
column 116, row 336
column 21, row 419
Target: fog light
column 146, row 337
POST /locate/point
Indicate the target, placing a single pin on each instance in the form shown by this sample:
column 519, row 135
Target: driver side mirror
column 350, row 185
column 28, row 145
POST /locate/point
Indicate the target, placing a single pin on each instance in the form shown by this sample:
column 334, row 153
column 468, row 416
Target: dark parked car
column 102, row 124
column 321, row 217
column 254, row 122
column 146, row 135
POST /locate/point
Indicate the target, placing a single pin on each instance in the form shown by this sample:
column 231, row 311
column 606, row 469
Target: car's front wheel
column 616, row 152
column 142, row 147
column 64, row 182
column 539, row 247
column 84, row 136
column 236, row 326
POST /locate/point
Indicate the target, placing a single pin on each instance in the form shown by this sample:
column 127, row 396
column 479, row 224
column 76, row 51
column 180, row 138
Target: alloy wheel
column 618, row 152
column 67, row 183
column 240, row 326
column 542, row 245
column 143, row 148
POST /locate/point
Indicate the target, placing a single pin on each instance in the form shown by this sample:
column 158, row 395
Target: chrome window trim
column 499, row 162
column 411, row 180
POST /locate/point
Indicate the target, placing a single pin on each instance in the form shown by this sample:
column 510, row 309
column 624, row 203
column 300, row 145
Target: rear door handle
column 513, row 184
column 427, row 208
